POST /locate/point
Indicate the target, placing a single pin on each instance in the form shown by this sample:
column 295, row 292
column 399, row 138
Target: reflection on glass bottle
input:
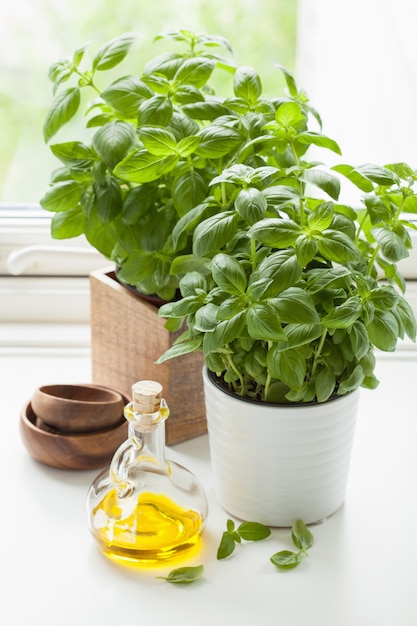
column 145, row 509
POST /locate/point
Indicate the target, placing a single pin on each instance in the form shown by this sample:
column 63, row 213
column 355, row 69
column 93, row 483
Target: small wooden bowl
column 83, row 451
column 77, row 408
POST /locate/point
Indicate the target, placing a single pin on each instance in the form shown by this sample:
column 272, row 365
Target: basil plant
column 292, row 291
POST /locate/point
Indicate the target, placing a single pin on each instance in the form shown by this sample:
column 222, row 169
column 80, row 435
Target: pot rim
column 211, row 376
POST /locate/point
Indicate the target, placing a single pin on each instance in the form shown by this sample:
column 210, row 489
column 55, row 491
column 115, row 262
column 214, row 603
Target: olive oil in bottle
column 144, row 509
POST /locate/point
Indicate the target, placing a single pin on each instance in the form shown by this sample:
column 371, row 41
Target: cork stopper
column 146, row 396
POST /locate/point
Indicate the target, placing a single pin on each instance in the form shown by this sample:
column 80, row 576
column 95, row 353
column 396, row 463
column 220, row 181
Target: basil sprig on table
column 184, row 575
column 248, row 531
column 302, row 539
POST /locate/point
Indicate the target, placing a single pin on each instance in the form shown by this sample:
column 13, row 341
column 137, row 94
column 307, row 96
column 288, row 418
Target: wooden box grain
column 127, row 336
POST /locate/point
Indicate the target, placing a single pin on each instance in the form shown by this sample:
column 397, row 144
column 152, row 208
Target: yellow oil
column 156, row 531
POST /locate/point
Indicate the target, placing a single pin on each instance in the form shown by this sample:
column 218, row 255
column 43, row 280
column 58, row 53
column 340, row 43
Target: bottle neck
column 150, row 443
column 147, row 433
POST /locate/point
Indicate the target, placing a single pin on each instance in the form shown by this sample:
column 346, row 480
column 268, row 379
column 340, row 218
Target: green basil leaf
column 113, row 141
column 226, row 546
column 299, row 335
column 166, row 63
column 125, row 94
column 294, row 305
column 78, row 55
column 306, row 249
column 280, row 194
column 194, row 71
column 281, row 268
column 208, row 110
column 324, row 383
column 263, row 322
column 384, row 297
column 317, row 139
column 247, row 84
column 73, row 153
column 62, row 196
column 324, row 181
column 187, row 94
column 355, row 177
column 108, row 200
column 184, row 575
column 230, row 525
column 113, row 52
column 178, row 349
column 156, row 110
column 289, row 79
column 275, row 232
column 359, row 339
column 213, row 233
column 188, row 222
column 217, row 141
column 99, row 120
column 383, row 330
column 186, row 306
column 301, row 536
column 253, row 531
column 191, row 282
column 103, row 239
column 63, row 108
column 188, row 192
column 377, row 174
column 336, row 246
column 345, row 314
column 285, row 559
column 224, row 332
column 142, row 167
column 237, row 174
column 230, row 307
column 138, row 203
column 290, row 115
column 158, row 141
column 407, row 318
column 206, row 318
column 321, row 217
column 289, row 366
column 66, row 224
column 188, row 145
column 142, row 262
column 251, row 205
column 353, row 381
column 228, row 274
column 157, row 83
column 392, row 245
column 320, row 279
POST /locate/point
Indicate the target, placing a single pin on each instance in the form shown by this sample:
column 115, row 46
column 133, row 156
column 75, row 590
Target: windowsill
column 43, row 337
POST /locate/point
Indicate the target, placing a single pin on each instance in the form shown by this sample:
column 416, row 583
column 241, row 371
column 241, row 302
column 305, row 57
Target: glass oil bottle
column 144, row 509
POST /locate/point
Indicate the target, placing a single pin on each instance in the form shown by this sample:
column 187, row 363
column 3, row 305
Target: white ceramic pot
column 275, row 464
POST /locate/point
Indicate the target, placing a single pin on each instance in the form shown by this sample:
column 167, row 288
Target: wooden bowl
column 77, row 408
column 82, row 451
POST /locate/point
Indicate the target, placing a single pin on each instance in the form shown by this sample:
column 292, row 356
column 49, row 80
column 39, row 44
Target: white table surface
column 362, row 570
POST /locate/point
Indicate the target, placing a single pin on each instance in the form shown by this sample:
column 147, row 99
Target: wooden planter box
column 127, row 336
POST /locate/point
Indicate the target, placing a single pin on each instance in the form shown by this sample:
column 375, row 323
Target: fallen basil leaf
column 253, row 531
column 230, row 525
column 286, row 559
column 301, row 536
column 184, row 575
column 226, row 547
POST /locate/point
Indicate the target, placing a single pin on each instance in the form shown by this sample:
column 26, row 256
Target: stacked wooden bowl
column 76, row 427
